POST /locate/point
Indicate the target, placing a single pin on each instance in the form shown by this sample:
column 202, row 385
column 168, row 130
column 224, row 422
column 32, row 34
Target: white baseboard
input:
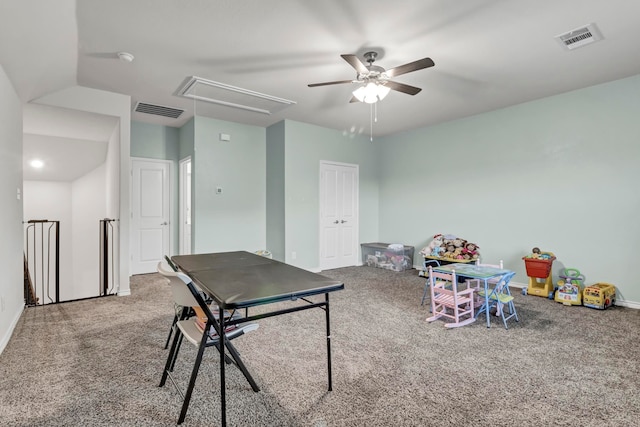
column 628, row 304
column 7, row 336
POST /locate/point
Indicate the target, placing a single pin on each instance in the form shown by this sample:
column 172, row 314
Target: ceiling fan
column 375, row 82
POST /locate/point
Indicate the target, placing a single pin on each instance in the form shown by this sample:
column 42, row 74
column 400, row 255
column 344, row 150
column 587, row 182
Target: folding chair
column 179, row 310
column 448, row 301
column 185, row 294
column 478, row 284
column 500, row 297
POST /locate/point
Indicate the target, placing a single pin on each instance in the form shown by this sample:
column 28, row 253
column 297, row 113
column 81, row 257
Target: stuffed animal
column 435, row 243
column 535, row 253
column 436, row 251
column 470, row 251
column 458, row 242
column 449, row 251
column 451, row 247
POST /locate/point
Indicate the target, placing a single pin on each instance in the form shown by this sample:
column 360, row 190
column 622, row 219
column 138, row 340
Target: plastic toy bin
column 539, row 268
column 379, row 255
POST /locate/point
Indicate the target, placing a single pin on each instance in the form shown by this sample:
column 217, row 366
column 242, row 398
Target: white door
column 338, row 215
column 150, row 207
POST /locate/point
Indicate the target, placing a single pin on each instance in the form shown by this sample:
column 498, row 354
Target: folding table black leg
column 223, row 343
column 326, row 298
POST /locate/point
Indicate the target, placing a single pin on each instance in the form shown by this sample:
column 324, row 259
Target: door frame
column 182, row 182
column 321, row 241
column 172, row 192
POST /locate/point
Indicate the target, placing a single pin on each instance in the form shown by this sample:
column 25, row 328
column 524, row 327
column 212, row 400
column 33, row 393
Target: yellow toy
column 538, row 265
column 600, row 296
column 570, row 289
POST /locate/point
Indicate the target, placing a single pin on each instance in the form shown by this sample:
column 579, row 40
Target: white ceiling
column 70, row 143
column 488, row 54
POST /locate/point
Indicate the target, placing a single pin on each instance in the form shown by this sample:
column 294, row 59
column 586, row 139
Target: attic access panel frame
column 201, row 89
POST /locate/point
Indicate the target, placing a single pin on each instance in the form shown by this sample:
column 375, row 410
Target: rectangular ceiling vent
column 579, row 37
column 158, row 110
column 213, row 92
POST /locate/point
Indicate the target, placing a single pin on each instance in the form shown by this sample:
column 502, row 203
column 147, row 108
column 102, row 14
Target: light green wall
column 154, row 142
column 235, row 219
column 559, row 173
column 275, row 220
column 305, row 146
column 186, row 139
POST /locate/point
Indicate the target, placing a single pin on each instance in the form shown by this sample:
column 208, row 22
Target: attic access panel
column 218, row 93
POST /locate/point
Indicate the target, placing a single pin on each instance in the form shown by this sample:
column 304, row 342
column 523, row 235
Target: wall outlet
column 294, row 255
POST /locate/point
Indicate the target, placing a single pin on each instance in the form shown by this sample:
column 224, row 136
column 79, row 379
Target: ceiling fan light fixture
column 371, row 93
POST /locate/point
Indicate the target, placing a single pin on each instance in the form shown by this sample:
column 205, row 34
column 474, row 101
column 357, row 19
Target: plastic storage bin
column 381, row 256
column 540, row 268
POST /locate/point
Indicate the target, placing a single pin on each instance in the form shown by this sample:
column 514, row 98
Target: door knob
column 343, row 221
column 335, row 222
column 165, row 223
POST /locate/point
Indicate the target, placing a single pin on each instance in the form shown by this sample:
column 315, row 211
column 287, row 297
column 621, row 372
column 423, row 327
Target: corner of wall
column 9, row 332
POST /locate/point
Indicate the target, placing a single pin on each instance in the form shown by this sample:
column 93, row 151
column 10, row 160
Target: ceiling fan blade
column 337, row 82
column 401, row 87
column 354, row 99
column 412, row 66
column 355, row 63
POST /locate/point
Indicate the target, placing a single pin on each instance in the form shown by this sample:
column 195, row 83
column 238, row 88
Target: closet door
column 338, row 215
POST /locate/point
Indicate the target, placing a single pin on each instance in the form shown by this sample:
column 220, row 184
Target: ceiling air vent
column 158, row 110
column 579, row 37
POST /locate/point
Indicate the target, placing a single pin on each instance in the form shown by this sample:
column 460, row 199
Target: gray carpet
column 98, row 363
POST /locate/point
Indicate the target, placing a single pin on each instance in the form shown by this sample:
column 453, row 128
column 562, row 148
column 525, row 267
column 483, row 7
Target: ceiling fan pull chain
column 370, row 122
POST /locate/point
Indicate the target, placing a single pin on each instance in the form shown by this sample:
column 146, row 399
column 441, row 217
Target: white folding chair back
column 178, row 281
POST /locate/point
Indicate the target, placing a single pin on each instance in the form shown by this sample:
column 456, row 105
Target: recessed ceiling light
column 36, row 163
column 125, row 56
